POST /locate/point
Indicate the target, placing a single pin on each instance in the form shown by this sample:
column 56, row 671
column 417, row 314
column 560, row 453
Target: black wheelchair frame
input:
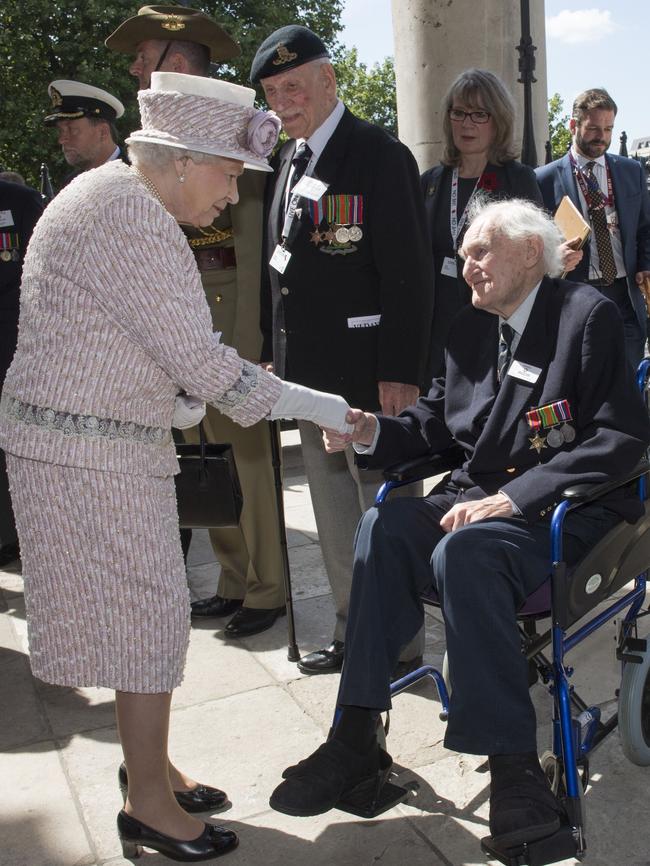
column 621, row 557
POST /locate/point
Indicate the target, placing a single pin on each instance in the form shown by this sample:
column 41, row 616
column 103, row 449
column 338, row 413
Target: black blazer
column 632, row 207
column 20, row 209
column 575, row 337
column 388, row 273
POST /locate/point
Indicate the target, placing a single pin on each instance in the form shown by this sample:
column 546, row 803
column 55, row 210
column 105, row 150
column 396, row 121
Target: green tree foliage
column 558, row 124
column 42, row 40
column 369, row 93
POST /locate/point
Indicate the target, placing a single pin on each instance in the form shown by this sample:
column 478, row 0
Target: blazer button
column 218, row 298
column 284, row 290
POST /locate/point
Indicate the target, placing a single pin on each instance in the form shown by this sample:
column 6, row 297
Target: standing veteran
column 612, row 195
column 347, row 296
column 20, row 209
column 109, row 344
column 479, row 161
column 228, row 254
column 84, row 117
column 481, row 537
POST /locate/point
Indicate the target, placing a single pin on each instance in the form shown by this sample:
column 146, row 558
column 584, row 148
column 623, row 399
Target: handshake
column 364, row 426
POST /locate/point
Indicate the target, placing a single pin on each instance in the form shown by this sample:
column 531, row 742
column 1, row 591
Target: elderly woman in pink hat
column 115, row 332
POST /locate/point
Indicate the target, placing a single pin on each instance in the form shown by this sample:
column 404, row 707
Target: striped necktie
column 506, row 336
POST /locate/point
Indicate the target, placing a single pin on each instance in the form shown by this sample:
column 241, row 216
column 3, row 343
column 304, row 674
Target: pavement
column 244, row 712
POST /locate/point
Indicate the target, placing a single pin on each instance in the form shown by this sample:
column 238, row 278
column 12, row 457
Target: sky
column 588, row 44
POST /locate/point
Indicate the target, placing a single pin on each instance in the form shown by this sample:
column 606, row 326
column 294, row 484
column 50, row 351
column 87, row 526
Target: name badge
column 280, row 259
column 364, row 321
column 525, row 372
column 6, row 218
column 449, row 267
column 310, row 187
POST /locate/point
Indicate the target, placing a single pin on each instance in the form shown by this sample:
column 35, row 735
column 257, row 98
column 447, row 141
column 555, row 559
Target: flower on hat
column 262, row 133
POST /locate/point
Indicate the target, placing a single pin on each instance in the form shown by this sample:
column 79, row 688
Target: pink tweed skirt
column 105, row 588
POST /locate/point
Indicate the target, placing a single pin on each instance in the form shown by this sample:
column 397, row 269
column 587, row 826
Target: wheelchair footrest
column 559, row 846
column 380, row 801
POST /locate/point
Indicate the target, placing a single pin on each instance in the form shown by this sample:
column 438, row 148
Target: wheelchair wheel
column 634, row 711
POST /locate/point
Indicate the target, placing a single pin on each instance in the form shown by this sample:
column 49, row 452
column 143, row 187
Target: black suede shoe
column 404, row 668
column 212, row 842
column 215, row 606
column 523, row 808
column 334, row 775
column 323, row 661
column 8, row 553
column 203, row 798
column 248, row 621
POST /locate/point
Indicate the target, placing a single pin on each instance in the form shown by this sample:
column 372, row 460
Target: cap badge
column 172, row 22
column 55, row 96
column 284, row 55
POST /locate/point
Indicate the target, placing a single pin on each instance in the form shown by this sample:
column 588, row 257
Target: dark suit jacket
column 388, row 272
column 575, row 337
column 632, row 206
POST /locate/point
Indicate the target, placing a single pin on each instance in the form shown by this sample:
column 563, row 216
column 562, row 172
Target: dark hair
column 197, row 55
column 111, row 127
column 474, row 87
column 592, row 100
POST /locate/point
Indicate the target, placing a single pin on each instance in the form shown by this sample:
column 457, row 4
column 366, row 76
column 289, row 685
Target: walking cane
column 293, row 654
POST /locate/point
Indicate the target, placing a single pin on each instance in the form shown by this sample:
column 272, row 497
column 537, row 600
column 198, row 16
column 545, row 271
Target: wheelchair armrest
column 424, row 467
column 579, row 494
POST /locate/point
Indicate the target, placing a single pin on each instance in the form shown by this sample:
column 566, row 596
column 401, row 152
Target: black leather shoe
column 248, row 621
column 203, row 798
column 212, row 842
column 215, row 606
column 8, row 553
column 334, row 775
column 404, row 668
column 323, row 661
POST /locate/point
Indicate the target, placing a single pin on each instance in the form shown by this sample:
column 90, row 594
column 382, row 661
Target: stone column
column 435, row 40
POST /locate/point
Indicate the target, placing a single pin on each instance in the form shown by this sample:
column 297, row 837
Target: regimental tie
column 506, row 336
column 300, row 162
column 598, row 219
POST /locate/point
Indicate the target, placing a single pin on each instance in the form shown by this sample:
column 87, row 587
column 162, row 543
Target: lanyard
column 456, row 225
column 582, row 182
column 292, row 208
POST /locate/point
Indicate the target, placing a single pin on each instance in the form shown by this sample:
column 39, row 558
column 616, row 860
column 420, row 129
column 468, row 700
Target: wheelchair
column 570, row 595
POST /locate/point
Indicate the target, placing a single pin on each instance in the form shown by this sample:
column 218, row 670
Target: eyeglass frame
column 451, row 111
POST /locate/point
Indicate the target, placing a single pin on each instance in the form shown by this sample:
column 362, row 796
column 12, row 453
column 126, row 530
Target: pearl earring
column 181, row 178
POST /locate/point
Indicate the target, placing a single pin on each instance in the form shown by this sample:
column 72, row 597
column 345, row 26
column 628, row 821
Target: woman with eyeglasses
column 479, row 160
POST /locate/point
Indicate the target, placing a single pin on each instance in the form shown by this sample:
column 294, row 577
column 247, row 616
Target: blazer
column 574, row 337
column 520, row 182
column 20, row 210
column 632, row 207
column 342, row 319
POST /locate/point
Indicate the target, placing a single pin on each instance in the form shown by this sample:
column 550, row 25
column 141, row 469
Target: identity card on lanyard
column 449, row 265
column 309, row 187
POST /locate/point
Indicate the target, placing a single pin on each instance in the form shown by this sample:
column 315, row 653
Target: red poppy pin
column 488, row 181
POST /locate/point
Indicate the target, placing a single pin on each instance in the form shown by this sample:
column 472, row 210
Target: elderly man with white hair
column 536, row 395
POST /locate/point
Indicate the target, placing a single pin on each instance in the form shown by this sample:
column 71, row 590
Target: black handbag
column 208, row 492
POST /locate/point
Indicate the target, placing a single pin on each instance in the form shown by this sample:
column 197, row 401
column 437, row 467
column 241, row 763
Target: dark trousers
column 482, row 573
column 635, row 334
column 8, row 338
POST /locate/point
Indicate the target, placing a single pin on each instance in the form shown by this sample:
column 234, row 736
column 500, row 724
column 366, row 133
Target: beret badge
column 284, row 55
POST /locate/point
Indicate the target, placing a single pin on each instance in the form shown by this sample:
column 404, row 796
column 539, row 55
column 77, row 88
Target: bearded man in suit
column 347, row 297
column 612, row 195
column 537, row 397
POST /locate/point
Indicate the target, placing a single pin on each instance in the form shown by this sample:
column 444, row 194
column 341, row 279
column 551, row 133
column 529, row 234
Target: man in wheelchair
column 537, row 396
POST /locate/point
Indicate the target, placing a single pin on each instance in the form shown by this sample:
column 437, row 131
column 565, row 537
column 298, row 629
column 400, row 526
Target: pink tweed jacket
column 113, row 324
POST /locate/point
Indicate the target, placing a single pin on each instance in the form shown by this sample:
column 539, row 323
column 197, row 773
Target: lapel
column 334, row 153
column 276, row 211
column 432, row 193
column 617, row 173
column 569, row 182
column 515, row 397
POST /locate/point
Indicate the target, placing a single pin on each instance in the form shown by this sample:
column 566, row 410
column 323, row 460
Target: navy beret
column 284, row 49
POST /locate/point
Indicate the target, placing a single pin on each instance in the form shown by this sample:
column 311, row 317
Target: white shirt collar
column 318, row 139
column 114, row 155
column 583, row 160
column 519, row 319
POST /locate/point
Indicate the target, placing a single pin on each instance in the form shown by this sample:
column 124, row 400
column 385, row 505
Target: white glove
column 188, row 411
column 305, row 404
